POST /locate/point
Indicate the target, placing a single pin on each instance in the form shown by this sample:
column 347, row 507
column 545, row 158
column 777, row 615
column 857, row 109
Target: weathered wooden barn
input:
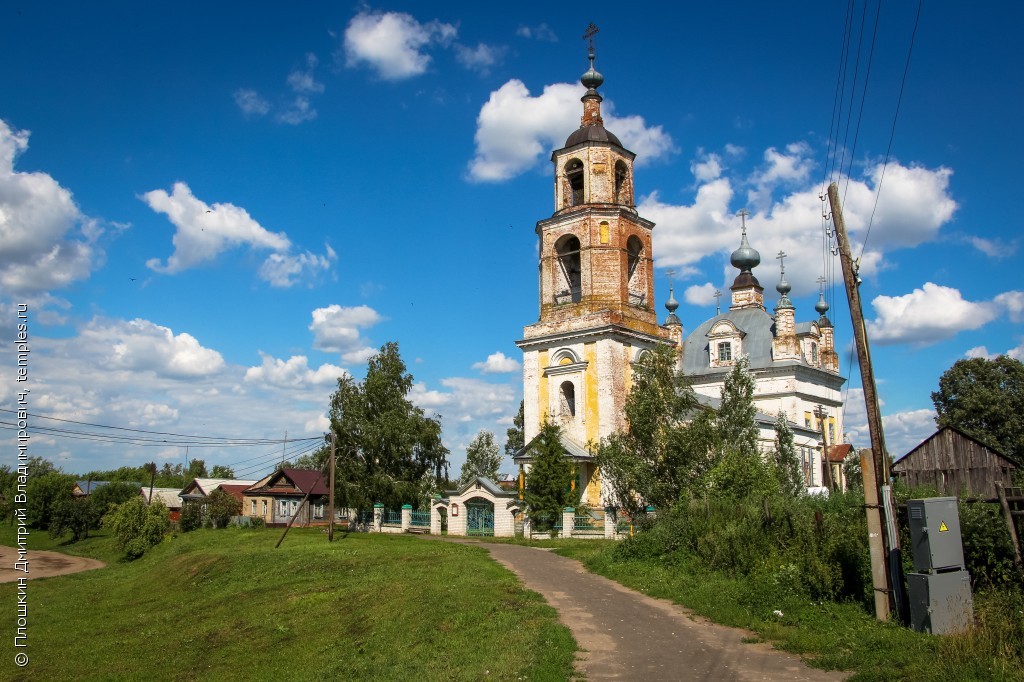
column 955, row 464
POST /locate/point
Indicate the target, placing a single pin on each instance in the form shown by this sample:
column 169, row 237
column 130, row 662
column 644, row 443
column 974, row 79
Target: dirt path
column 43, row 564
column 627, row 635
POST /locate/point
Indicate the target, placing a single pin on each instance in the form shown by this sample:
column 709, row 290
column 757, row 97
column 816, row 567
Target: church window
column 725, row 351
column 622, row 188
column 831, row 432
column 567, row 400
column 634, row 270
column 574, row 177
column 569, row 288
column 814, row 353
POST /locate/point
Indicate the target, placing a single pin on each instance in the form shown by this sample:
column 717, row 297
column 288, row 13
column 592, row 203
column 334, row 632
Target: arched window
column 567, row 400
column 569, row 288
column 623, row 190
column 814, row 353
column 574, row 178
column 634, row 278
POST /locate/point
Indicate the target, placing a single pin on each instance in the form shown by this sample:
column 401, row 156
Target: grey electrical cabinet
column 935, row 534
column 940, row 603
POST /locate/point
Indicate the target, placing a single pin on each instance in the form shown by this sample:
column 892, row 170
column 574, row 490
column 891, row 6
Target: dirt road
column 43, row 564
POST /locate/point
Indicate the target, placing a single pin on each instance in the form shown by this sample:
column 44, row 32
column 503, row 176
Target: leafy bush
column 137, row 526
column 220, row 507
column 811, row 546
column 191, row 517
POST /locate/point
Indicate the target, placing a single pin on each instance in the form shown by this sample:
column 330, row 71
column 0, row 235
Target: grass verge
column 227, row 605
column 833, row 636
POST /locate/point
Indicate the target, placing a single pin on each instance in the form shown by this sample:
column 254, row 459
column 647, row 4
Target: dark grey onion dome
column 592, row 79
column 672, row 305
column 745, row 258
column 783, row 288
column 592, row 133
column 822, row 307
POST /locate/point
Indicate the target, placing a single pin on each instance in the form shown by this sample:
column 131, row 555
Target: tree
column 787, row 465
column 514, row 437
column 222, row 471
column 985, row 399
column 74, row 515
column 385, row 445
column 113, row 493
column 43, row 493
column 196, row 469
column 137, row 526
column 657, row 456
column 740, row 469
column 221, row 506
column 549, row 481
column 482, row 458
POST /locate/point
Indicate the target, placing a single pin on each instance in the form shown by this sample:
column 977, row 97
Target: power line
column 892, row 132
column 192, row 440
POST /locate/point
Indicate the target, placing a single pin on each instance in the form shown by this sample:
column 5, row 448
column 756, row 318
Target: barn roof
column 935, row 435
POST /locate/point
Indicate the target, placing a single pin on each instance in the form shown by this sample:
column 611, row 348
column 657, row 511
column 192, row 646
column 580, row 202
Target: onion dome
column 822, row 307
column 672, row 305
column 746, row 257
column 592, row 80
column 783, row 288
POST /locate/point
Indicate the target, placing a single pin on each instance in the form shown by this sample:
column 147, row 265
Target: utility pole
column 298, row 512
column 152, row 477
column 284, row 446
column 330, row 527
column 826, row 465
column 883, row 580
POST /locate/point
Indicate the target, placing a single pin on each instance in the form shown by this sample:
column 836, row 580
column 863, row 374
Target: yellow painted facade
column 592, row 415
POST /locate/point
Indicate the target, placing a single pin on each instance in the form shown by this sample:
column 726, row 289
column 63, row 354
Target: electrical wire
column 892, row 132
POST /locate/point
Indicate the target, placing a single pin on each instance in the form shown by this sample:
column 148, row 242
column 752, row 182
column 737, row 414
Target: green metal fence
column 421, row 519
column 392, row 518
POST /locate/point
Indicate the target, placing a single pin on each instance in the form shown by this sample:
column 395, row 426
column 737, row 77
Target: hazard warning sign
column 943, row 527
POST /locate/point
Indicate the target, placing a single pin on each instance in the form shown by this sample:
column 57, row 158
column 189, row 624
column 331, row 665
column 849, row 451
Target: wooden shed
column 954, row 463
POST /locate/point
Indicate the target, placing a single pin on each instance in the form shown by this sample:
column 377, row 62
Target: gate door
column 479, row 517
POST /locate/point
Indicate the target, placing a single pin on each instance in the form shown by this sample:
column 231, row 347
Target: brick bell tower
column 596, row 293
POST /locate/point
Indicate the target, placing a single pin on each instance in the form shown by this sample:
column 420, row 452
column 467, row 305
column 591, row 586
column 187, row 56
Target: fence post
column 611, row 522
column 527, row 527
column 568, row 521
column 406, row 517
column 378, row 517
column 435, row 516
column 649, row 510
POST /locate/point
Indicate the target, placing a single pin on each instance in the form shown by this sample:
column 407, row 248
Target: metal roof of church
column 756, row 325
column 592, row 133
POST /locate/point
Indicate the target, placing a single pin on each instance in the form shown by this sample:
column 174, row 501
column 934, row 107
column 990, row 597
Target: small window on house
column 725, row 351
column 574, row 177
column 253, row 508
column 264, row 507
column 284, row 507
column 567, row 398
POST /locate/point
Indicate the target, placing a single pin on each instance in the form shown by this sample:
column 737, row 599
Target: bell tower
column 596, row 287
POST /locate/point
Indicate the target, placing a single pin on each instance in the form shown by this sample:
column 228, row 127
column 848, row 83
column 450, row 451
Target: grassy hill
column 227, row 605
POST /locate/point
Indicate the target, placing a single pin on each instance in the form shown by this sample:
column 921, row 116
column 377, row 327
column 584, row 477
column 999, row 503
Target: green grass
column 227, row 605
column 833, row 636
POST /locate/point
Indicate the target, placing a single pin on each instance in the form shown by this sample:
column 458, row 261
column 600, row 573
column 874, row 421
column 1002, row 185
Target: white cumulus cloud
column 285, row 270
column 927, row 315
column 47, row 242
column 515, row 128
column 143, row 346
column 293, row 372
column 480, row 58
column 393, row 43
column 700, row 294
column 250, row 102
column 498, row 363
column 203, row 230
column 337, row 329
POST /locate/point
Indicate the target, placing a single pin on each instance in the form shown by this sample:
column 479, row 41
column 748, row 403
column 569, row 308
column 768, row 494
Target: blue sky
column 213, row 210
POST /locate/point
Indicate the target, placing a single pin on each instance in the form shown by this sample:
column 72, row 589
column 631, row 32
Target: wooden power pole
column 330, row 527
column 883, row 584
column 826, row 466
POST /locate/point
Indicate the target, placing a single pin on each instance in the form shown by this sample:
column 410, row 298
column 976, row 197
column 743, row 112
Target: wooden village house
column 955, row 464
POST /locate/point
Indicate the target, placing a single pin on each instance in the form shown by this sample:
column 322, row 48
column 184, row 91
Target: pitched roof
column 917, row 447
column 839, row 453
column 572, row 449
column 204, row 486
column 169, row 496
column 304, row 480
column 236, row 490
